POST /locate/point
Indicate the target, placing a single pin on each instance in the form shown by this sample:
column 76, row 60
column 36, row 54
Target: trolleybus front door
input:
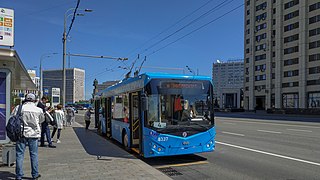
column 135, row 121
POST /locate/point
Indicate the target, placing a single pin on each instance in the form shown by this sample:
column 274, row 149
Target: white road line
column 268, row 153
column 229, row 123
column 244, row 120
column 274, row 132
column 236, row 134
column 299, row 130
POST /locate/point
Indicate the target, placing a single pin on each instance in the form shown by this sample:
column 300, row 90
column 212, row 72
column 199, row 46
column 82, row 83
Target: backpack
column 13, row 128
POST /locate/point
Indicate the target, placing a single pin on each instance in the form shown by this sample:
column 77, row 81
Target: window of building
column 314, row 44
column 248, row 21
column 247, row 50
column 291, row 15
column 291, row 38
column 261, row 36
column 247, row 79
column 290, row 100
column 273, row 54
column 291, row 61
column 291, row 50
column 260, row 77
column 274, row 11
column 261, row 67
column 248, row 12
column 260, row 57
column 273, row 75
column 273, row 22
column 314, row 70
column 261, row 47
column 247, row 88
column 247, row 60
column 248, row 2
column 290, row 84
column 261, row 6
column 314, row 57
column 247, row 41
column 291, row 4
column 314, row 19
column 313, row 82
column 273, row 43
column 314, row 100
column 248, row 31
column 291, row 73
column 291, row 27
column 261, row 26
column 314, row 6
column 260, row 17
column 314, row 32
column 273, row 65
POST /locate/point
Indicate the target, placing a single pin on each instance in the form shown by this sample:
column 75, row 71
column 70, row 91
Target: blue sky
column 126, row 28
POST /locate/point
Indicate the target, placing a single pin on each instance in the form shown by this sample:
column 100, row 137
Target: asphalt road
column 253, row 147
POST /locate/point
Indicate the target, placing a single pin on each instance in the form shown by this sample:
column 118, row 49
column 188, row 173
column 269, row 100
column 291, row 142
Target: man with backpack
column 31, row 117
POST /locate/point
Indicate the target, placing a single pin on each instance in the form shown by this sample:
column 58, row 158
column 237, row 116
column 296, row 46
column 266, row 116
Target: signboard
column 46, row 91
column 55, row 96
column 4, row 104
column 6, row 27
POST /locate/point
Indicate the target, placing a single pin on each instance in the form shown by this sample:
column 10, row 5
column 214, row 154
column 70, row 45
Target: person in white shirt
column 32, row 116
column 60, row 120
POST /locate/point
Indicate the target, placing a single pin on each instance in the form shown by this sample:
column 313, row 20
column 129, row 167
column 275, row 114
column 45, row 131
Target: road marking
column 268, row 153
column 183, row 164
column 274, row 132
column 299, row 130
column 236, row 134
column 243, row 120
column 229, row 123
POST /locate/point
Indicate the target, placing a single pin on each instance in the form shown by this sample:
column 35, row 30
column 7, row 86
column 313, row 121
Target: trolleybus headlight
column 211, row 142
column 208, row 145
column 159, row 149
column 154, row 146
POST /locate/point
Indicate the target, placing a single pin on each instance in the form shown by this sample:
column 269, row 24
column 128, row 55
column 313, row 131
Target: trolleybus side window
column 121, row 108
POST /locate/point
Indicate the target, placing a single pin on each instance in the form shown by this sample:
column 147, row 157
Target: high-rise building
column 34, row 78
column 282, row 54
column 74, row 83
column 227, row 80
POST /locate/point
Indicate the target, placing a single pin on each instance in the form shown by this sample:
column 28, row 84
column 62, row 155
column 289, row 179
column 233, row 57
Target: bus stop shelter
column 14, row 82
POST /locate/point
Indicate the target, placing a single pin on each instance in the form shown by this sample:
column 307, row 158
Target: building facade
column 34, row 78
column 75, row 80
column 282, row 54
column 227, row 80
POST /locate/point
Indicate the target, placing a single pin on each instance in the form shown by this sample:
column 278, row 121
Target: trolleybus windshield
column 179, row 105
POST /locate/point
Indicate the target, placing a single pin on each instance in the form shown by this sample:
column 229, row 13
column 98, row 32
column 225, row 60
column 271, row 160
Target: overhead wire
column 217, row 7
column 74, row 17
column 197, row 29
column 166, row 29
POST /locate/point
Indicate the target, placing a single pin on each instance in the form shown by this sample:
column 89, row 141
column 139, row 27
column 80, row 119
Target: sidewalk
column 76, row 158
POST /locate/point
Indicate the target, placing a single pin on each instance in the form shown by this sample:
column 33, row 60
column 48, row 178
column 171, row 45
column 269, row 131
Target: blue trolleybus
column 158, row 114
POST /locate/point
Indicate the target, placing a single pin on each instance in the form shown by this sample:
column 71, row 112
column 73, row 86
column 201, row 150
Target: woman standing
column 60, row 119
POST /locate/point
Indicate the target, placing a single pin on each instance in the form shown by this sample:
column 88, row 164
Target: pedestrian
column 45, row 131
column 87, row 117
column 32, row 116
column 60, row 119
column 70, row 115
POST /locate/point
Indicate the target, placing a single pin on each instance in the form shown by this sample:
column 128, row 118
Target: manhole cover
column 170, row 171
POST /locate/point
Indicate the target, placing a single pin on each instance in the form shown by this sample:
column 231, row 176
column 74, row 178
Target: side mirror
column 144, row 103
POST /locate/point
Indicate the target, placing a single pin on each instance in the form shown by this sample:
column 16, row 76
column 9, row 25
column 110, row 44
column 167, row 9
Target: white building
column 34, row 78
column 228, row 83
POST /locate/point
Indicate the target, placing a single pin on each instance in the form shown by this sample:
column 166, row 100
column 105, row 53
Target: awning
column 20, row 79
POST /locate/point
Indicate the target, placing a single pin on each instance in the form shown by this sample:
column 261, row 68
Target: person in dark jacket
column 45, row 131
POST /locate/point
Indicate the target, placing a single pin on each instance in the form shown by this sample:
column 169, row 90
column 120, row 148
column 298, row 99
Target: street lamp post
column 64, row 41
column 47, row 55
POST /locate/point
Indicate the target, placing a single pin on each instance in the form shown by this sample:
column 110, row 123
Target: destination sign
column 180, row 85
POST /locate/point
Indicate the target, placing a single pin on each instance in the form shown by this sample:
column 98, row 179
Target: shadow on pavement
column 5, row 175
column 98, row 146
